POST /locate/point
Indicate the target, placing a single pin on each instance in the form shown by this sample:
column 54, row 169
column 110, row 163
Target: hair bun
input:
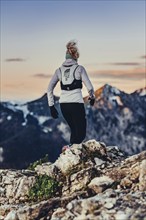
column 72, row 49
column 71, row 44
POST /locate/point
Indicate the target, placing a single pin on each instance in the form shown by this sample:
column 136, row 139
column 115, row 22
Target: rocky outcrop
column 93, row 182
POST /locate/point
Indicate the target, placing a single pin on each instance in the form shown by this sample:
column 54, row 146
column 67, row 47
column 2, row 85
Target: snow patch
column 15, row 108
column 23, row 124
column 1, row 154
column 24, row 109
column 9, row 117
column 141, row 92
column 47, row 129
column 117, row 99
column 42, row 119
column 116, row 91
column 64, row 129
column 10, row 106
column 1, row 120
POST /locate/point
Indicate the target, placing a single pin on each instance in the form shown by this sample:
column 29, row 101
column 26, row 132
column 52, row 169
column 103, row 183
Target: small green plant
column 38, row 162
column 44, row 188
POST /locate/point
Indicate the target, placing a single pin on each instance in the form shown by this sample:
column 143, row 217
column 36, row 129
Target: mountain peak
column 140, row 92
column 106, row 90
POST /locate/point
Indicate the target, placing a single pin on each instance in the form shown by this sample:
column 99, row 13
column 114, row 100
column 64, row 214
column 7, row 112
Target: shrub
column 38, row 162
column 44, row 188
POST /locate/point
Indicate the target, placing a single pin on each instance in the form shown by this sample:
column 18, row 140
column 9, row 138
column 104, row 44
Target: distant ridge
column 28, row 131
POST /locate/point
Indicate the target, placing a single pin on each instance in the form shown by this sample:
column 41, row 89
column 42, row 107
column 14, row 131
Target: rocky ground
column 89, row 181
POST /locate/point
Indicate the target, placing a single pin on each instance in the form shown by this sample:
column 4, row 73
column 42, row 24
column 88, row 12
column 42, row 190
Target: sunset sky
column 110, row 35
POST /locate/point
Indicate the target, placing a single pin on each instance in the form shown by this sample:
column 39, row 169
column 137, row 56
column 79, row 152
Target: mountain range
column 28, row 132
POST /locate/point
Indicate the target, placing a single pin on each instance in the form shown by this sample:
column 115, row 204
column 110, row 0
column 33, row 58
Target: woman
column 71, row 75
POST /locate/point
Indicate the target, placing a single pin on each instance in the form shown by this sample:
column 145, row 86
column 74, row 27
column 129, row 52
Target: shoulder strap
column 60, row 72
column 74, row 71
column 67, row 66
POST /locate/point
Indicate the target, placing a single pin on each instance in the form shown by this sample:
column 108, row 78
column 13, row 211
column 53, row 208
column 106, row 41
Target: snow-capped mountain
column 28, row 132
column 118, row 119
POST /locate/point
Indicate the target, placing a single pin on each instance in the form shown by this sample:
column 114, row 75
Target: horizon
column 110, row 35
column 84, row 96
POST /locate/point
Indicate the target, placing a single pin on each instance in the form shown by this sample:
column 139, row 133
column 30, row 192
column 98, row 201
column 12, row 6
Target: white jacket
column 71, row 96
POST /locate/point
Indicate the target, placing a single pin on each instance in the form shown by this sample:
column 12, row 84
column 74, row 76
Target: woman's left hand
column 91, row 100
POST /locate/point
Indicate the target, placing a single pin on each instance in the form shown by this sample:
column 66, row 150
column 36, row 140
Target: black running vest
column 76, row 84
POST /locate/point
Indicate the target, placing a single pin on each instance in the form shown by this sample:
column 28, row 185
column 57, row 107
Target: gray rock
column 109, row 203
column 99, row 184
column 142, row 176
column 12, row 216
column 120, row 215
column 98, row 161
column 58, row 214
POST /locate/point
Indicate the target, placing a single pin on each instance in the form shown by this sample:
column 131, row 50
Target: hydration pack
column 68, row 80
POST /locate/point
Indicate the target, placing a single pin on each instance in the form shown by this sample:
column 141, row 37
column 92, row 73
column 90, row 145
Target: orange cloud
column 130, row 74
column 15, row 60
column 41, row 75
column 125, row 64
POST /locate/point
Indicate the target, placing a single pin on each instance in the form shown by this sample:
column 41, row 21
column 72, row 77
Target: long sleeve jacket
column 71, row 96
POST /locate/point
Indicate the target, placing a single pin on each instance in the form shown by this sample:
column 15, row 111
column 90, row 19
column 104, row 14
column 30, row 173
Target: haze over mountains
column 28, row 132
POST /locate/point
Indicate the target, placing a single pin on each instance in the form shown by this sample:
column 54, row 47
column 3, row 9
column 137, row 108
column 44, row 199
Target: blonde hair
column 72, row 49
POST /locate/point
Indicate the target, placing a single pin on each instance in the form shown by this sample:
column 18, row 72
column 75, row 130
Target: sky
column 34, row 34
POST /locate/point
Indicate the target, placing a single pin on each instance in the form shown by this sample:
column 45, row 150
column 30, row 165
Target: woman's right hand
column 53, row 111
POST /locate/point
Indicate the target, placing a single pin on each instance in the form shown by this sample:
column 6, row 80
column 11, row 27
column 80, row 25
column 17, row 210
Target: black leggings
column 74, row 114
